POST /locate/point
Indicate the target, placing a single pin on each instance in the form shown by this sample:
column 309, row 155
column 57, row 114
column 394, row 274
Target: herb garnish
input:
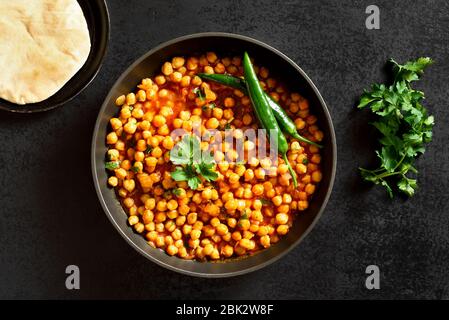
column 193, row 163
column 148, row 149
column 177, row 192
column 404, row 125
column 112, row 165
column 244, row 216
column 227, row 125
column 208, row 106
column 135, row 169
column 199, row 93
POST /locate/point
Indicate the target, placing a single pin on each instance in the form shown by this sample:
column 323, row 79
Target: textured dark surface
column 50, row 216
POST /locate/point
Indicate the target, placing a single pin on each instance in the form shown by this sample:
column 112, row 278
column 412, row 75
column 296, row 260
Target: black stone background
column 50, row 216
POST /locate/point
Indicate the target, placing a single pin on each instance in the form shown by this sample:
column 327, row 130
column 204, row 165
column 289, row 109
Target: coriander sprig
column 192, row 162
column 404, row 125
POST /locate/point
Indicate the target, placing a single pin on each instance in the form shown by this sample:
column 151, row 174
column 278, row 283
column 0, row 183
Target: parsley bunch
column 404, row 126
column 192, row 162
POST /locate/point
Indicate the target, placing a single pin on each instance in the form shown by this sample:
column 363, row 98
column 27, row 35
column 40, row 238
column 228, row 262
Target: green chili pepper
column 225, row 79
column 263, row 111
column 287, row 125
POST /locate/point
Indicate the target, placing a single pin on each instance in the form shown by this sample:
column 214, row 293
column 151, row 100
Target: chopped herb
column 131, row 108
column 265, row 202
column 305, row 161
column 404, row 125
column 148, row 149
column 208, row 106
column 192, row 162
column 135, row 169
column 199, row 93
column 112, row 165
column 207, row 171
column 244, row 216
column 177, row 192
column 186, row 174
column 227, row 126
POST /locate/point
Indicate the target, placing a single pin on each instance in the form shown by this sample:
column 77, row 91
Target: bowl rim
column 20, row 108
column 333, row 145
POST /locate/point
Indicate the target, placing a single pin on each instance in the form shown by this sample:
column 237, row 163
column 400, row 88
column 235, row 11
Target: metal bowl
column 149, row 65
column 97, row 18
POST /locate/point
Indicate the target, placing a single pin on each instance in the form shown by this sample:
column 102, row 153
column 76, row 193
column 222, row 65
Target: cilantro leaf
column 415, row 66
column 403, row 124
column 193, row 163
column 411, row 70
column 209, row 175
column 408, row 186
column 194, row 182
column 366, row 99
column 206, row 170
column 179, row 174
column 388, row 157
column 185, row 150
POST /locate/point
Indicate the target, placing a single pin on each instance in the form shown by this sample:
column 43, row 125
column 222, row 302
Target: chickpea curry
column 228, row 204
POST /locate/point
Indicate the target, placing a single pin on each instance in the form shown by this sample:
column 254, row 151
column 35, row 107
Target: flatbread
column 43, row 44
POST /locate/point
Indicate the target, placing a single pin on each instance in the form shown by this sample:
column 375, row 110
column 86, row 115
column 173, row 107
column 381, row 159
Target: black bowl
column 149, row 65
column 97, row 17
